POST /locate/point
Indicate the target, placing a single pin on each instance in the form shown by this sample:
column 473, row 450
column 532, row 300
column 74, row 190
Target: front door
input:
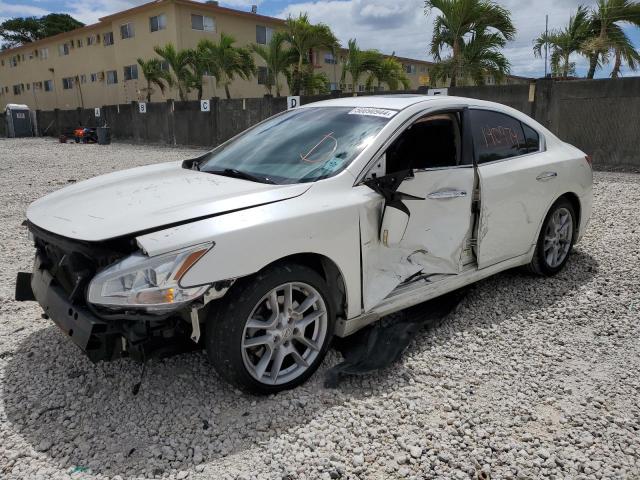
column 438, row 194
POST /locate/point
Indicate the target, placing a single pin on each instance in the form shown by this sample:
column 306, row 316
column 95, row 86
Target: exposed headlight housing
column 150, row 283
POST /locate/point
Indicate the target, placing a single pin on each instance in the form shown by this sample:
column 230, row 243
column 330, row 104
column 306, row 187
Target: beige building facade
column 96, row 65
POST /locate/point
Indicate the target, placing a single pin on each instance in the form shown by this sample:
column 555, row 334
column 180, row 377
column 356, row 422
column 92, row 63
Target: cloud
column 403, row 27
column 8, row 10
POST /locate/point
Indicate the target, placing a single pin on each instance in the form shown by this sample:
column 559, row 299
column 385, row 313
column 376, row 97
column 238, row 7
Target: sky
column 399, row 26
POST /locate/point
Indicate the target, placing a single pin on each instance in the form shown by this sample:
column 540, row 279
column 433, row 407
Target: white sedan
column 309, row 225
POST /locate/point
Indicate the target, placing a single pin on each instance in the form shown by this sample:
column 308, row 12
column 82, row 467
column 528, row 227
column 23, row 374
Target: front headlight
column 150, row 283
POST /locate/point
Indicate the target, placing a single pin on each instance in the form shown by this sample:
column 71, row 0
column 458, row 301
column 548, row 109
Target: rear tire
column 272, row 330
column 556, row 239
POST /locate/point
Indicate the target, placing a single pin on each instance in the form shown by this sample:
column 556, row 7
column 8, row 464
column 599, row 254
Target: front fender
column 248, row 240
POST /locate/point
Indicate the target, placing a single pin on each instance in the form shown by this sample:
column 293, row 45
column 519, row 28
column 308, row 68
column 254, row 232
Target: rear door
column 518, row 179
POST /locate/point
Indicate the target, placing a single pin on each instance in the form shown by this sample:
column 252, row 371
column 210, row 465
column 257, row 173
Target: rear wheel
column 556, row 239
column 271, row 331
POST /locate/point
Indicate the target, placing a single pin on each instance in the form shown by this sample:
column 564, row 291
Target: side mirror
column 394, row 224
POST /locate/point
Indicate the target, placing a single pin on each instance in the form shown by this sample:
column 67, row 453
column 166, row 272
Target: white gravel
column 530, row 378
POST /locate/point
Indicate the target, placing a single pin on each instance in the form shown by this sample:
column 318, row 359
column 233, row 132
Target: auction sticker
column 375, row 112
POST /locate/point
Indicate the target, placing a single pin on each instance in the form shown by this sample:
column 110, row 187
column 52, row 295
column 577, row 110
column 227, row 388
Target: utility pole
column 546, row 43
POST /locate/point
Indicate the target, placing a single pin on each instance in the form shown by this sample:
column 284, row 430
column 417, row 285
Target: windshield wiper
column 232, row 172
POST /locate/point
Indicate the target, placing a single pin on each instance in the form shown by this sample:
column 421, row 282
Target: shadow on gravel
column 84, row 416
column 510, row 293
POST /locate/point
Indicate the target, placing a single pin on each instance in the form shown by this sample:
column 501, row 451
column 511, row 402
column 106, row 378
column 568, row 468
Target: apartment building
column 97, row 65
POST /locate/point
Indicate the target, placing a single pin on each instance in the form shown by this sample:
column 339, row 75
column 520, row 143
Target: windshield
column 301, row 145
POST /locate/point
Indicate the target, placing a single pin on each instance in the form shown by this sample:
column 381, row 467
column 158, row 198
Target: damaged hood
column 144, row 198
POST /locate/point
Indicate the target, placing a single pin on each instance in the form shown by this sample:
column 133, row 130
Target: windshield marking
column 305, row 157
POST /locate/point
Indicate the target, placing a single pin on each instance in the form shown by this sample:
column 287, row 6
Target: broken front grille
column 73, row 263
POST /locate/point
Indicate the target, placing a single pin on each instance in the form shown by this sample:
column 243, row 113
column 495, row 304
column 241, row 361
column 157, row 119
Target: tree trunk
column 615, row 73
column 565, row 70
column 455, row 60
column 226, row 90
column 593, row 63
column 148, row 91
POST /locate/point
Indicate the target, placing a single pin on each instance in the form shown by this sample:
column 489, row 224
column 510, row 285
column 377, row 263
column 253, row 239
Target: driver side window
column 433, row 141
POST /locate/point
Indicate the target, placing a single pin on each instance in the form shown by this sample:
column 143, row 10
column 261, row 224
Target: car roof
column 394, row 102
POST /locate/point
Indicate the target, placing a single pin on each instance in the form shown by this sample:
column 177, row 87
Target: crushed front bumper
column 104, row 338
column 99, row 339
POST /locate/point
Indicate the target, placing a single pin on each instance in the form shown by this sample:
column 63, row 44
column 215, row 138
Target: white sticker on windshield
column 376, row 112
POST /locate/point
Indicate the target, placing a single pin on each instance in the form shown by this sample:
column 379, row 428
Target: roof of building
column 141, row 8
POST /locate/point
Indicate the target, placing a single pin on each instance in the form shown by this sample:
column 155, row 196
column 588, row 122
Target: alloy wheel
column 558, row 237
column 284, row 333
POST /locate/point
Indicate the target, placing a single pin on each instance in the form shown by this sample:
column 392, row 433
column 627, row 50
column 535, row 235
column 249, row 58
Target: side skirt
column 418, row 292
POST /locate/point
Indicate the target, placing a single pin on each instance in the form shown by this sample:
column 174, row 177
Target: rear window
column 497, row 136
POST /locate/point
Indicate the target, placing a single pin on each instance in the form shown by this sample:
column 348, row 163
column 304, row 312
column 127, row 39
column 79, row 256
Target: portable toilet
column 18, row 120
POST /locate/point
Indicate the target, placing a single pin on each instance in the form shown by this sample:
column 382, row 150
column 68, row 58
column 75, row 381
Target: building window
column 164, row 66
column 91, row 40
column 107, row 39
column 361, row 88
column 127, row 31
column 263, row 34
column 410, row 68
column 263, row 73
column 94, row 77
column 131, row 72
column 48, row 85
column 202, row 23
column 17, row 90
column 44, row 53
column 423, row 69
column 333, row 86
column 63, row 49
column 112, row 77
column 83, row 78
column 330, row 59
column 79, row 43
column 159, row 22
column 67, row 83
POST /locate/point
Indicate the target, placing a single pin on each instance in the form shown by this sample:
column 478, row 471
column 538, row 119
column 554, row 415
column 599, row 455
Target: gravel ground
column 528, row 378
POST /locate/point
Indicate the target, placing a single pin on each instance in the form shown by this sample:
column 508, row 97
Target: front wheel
column 556, row 239
column 271, row 331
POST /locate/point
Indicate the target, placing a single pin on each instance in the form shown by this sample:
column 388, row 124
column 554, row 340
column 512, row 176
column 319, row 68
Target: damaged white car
column 310, row 225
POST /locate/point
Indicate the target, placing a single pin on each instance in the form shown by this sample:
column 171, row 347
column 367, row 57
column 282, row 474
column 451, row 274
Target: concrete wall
column 601, row 117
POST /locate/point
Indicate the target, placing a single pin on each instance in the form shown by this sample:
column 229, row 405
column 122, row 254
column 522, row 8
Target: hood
column 144, row 198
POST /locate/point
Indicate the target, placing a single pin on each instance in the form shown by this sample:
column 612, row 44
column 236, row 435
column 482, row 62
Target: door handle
column 544, row 176
column 447, row 194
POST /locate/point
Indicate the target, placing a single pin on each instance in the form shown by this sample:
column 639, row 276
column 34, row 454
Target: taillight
column 589, row 160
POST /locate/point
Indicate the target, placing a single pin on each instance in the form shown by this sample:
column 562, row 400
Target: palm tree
column 201, row 65
column 359, row 62
column 606, row 18
column 391, row 72
column 565, row 42
column 155, row 74
column 179, row 62
column 464, row 21
column 225, row 62
column 303, row 38
column 277, row 57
